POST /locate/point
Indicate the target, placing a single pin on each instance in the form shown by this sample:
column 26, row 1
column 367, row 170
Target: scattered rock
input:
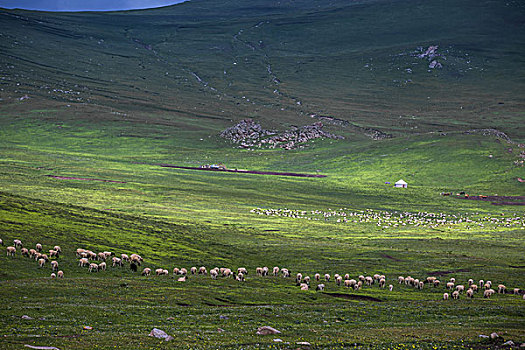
column 25, row 317
column 277, row 340
column 484, row 336
column 158, row 333
column 248, row 134
column 303, row 343
column 494, row 335
column 265, row 330
column 170, row 318
column 41, row 347
column 509, row 343
column 88, row 328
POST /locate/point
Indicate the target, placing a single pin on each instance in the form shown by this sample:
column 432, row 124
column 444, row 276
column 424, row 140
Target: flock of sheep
column 98, row 262
column 386, row 219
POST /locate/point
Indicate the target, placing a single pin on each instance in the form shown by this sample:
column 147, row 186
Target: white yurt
column 401, row 183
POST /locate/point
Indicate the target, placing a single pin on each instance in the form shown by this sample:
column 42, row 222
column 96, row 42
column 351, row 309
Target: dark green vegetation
column 110, row 95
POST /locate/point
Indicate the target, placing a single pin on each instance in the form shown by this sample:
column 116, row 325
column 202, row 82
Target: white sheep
column 327, row 277
column 183, row 271
column 54, row 265
column 474, row 287
column 488, row 293
column 450, row 285
column 445, row 296
column 347, row 276
column 470, row 293
column 79, row 252
column 17, row 243
column 101, row 256
column 275, row 270
column 182, row 279
column 227, row 272
column 116, row 261
column 304, row 286
column 242, row 270
column 124, row 257
column 11, row 251
column 436, row 283
column 93, row 267
column 146, row 271
column 265, row 271
column 369, row 280
column 58, row 249
column 320, row 287
column 460, row 288
column 102, row 266
column 317, row 277
column 83, row 262
column 338, row 280
column 382, row 283
column 41, row 262
column 24, row 252
column 453, row 280
column 307, row 280
column 53, row 253
column 60, row 274
column 285, row 272
column 401, row 279
column 213, row 274
column 193, row 270
column 1, row 241
column 390, row 287
column 502, row 289
column 53, row 275
column 481, row 283
column 516, row 291
column 176, row 270
column 32, row 253
column 299, row 277
column 470, row 281
column 358, row 285
column 202, row 270
column 240, row 277
column 38, row 247
column 455, row 294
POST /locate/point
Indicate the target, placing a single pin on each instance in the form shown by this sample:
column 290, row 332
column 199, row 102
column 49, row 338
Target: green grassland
column 110, row 96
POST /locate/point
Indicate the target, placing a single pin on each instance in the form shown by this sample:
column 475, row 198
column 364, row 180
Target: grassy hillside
column 92, row 103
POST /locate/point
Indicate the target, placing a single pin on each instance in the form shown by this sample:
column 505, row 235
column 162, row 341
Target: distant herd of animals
column 98, row 262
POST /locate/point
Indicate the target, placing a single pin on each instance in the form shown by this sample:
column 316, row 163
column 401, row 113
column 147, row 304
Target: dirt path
column 241, row 171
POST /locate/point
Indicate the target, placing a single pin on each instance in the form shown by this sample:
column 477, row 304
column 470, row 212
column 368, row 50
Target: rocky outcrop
column 249, row 134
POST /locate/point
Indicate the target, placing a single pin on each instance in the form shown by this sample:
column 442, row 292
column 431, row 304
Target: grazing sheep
column 176, row 270
column 240, row 277
column 137, row 259
column 304, row 286
column 299, row 277
column 523, row 296
column 54, row 265
column 474, row 287
column 17, row 243
column 351, row 283
column 436, row 283
column 516, row 291
column 53, row 275
column 37, row 256
column 202, row 270
column 361, row 278
column 41, row 262
column 421, row 285
column 60, row 274
column 338, row 280
column 38, row 247
column 159, row 272
column 79, row 252
column 502, row 289
column 124, row 257
column 182, row 279
column 32, row 253
column 1, row 241
column 275, row 270
column 369, row 280
column 317, row 277
column 401, row 279
column 146, row 271
column 213, row 274
column 460, row 288
column 453, row 280
column 320, row 287
column 102, row 266
column 193, row 270
column 259, row 271
column 53, row 253
column 390, row 287
column 377, row 277
column 488, row 293
column 11, row 251
column 481, row 283
column 307, row 280
column 382, row 283
column 227, row 272
column 431, row 279
column 487, row 286
column 24, row 252
column 93, row 267
column 116, row 261
column 450, row 285
column 83, row 262
column 285, row 272
column 470, row 281
column 265, row 271
column 445, row 296
column 336, row 276
column 347, row 276
column 346, row 283
column 242, row 270
column 358, row 285
column 489, row 283
column 470, row 293
column 455, row 294
column 327, row 277
column 101, row 256
column 45, row 257
column 58, row 249
column 183, row 272
column 415, row 283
